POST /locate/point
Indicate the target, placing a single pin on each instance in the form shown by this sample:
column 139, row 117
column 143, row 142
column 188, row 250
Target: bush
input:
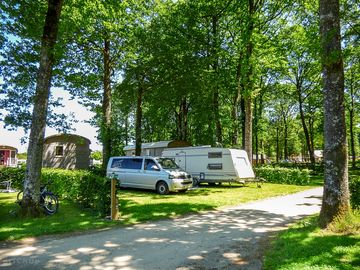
column 16, row 175
column 354, row 187
column 88, row 187
column 83, row 186
column 284, row 175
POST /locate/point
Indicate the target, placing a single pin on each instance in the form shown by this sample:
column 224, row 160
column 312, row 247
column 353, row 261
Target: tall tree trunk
column 106, row 105
column 249, row 80
column 352, row 140
column 242, row 120
column 236, row 101
column 216, row 95
column 277, row 144
column 311, row 132
column 286, row 152
column 181, row 120
column 138, row 139
column 352, row 116
column 335, row 201
column 126, row 129
column 248, row 127
column 258, row 114
column 305, row 128
column 256, row 132
column 30, row 204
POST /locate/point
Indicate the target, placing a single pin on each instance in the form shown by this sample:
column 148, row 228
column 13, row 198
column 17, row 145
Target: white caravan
column 213, row 165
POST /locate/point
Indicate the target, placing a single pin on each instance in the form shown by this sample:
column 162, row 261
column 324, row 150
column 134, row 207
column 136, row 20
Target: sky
column 13, row 138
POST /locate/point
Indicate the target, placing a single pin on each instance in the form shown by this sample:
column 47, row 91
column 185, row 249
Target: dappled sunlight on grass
column 69, row 218
column 135, row 206
column 305, row 246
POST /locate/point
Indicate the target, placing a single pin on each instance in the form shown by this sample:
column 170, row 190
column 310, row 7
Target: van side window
column 133, row 163
column 117, row 163
column 127, row 163
column 150, row 165
column 215, row 166
column 215, row 155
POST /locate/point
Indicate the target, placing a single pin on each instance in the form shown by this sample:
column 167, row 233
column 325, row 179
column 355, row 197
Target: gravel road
column 233, row 238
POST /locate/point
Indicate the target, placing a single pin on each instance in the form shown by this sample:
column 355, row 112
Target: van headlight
column 171, row 176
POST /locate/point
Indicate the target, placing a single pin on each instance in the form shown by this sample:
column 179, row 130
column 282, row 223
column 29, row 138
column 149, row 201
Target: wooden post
column 114, row 200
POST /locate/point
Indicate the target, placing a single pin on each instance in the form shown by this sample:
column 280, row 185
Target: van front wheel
column 162, row 188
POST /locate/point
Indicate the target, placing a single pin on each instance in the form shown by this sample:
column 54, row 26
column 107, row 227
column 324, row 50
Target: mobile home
column 8, row 156
column 213, row 165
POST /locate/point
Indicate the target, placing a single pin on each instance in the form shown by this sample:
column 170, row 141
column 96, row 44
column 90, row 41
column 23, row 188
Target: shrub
column 88, row 187
column 354, row 187
column 83, row 186
column 284, row 175
column 16, row 175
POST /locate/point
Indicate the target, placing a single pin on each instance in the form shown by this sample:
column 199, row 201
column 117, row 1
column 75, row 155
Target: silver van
column 160, row 174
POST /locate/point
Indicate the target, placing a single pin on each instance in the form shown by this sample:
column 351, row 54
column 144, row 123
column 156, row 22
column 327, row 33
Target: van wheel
column 162, row 188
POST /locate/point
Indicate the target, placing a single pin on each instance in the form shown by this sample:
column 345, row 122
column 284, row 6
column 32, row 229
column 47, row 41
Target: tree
column 30, row 203
column 97, row 36
column 19, row 62
column 335, row 203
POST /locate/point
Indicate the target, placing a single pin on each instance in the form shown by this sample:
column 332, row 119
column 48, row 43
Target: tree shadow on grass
column 304, row 247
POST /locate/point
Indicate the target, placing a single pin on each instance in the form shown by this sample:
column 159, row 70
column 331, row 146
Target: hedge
column 86, row 187
column 281, row 175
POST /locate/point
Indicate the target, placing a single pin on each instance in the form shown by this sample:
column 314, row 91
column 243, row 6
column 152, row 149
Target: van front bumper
column 181, row 184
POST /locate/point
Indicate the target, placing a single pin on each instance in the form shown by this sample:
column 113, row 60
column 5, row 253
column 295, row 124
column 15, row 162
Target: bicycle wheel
column 19, row 197
column 50, row 203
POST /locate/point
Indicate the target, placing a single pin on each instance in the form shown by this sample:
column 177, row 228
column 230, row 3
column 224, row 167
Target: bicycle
column 48, row 200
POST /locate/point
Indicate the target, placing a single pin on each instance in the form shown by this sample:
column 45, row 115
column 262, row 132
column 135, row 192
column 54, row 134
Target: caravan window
column 215, row 155
column 215, row 166
column 59, row 150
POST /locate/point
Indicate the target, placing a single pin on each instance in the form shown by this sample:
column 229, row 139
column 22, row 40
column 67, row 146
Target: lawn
column 305, row 246
column 135, row 206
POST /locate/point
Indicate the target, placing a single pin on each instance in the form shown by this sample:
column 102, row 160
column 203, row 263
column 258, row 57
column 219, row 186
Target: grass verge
column 306, row 246
column 135, row 206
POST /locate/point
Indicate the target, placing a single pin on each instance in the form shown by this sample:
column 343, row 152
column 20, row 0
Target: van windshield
column 168, row 163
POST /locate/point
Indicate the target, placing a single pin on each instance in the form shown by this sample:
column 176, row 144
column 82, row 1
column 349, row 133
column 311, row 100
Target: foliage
column 19, row 63
column 305, row 246
column 22, row 155
column 354, row 188
column 284, row 175
column 15, row 175
column 348, row 224
column 97, row 155
column 183, row 53
column 85, row 187
column 88, row 187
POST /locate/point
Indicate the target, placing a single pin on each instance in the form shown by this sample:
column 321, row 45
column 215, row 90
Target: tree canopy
column 244, row 74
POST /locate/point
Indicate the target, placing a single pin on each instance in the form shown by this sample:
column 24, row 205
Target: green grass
column 135, row 206
column 305, row 246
